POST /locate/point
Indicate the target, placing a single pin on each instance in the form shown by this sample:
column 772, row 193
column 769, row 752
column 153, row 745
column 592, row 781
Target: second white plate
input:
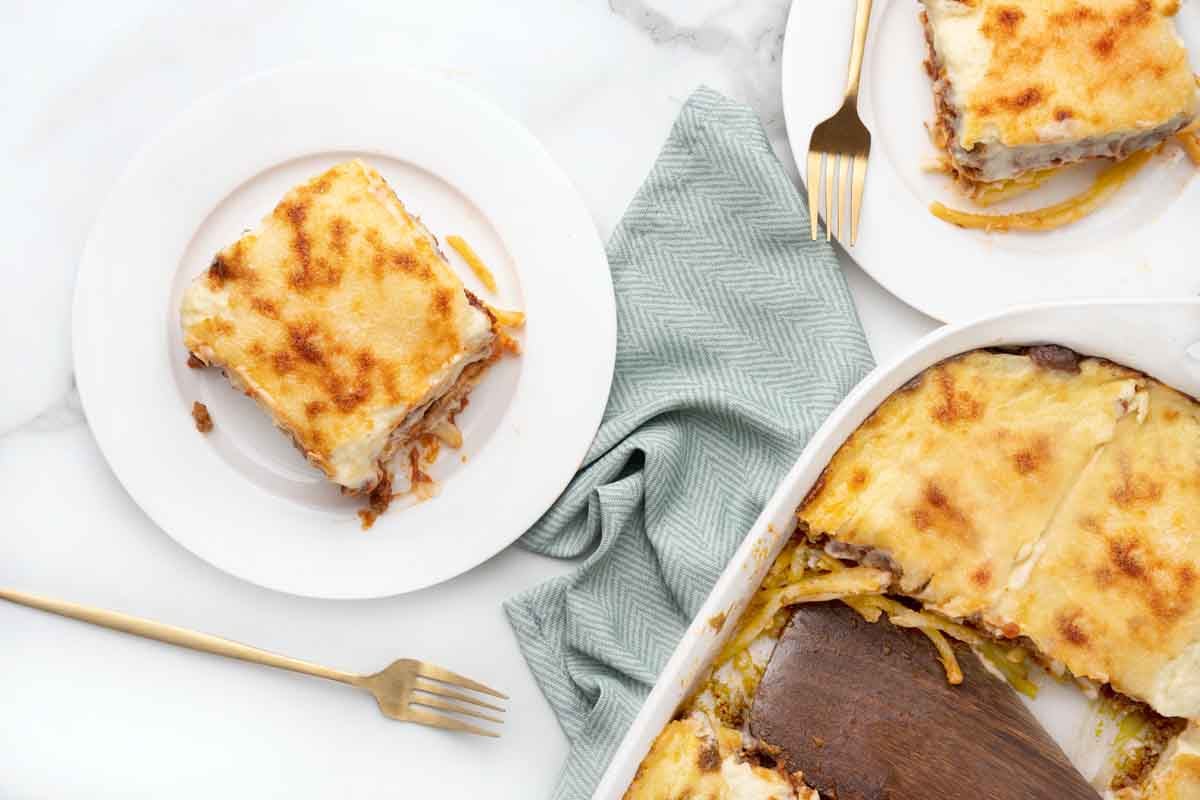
column 1141, row 245
column 242, row 498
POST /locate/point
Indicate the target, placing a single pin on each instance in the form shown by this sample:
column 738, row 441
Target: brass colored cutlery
column 408, row 690
column 842, row 141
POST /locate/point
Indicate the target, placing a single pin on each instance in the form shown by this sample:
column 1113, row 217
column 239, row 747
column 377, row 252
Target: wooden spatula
column 865, row 711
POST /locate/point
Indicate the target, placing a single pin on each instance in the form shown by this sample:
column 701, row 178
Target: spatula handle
column 169, row 634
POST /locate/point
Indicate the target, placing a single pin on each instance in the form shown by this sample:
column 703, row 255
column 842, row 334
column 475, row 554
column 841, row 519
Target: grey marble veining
column 746, row 38
column 66, row 412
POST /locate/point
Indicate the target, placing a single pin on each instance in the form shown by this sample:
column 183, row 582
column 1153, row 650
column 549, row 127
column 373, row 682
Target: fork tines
column 839, row 192
column 431, row 689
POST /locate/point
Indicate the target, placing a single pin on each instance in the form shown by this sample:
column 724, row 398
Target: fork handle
column 862, row 18
column 180, row 637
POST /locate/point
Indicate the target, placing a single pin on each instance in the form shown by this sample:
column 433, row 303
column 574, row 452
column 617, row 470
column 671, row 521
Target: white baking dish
column 1158, row 337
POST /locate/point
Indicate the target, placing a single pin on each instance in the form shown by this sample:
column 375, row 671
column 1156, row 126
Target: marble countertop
column 92, row 714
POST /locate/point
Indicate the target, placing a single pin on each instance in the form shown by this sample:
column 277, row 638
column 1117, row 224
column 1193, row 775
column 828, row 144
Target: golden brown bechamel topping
column 339, row 304
column 1107, row 66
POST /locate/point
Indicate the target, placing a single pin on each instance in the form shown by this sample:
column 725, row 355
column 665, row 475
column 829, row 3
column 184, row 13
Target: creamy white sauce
column 1176, row 692
column 963, row 49
column 997, row 162
column 201, row 303
column 746, row 783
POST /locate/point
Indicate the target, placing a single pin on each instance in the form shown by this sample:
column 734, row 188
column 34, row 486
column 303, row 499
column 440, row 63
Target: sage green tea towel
column 736, row 336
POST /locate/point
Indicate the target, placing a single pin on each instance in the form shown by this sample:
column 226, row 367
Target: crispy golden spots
column 1023, row 100
column 227, row 268
column 282, row 362
column 981, row 576
column 1105, row 44
column 1111, row 65
column 315, row 408
column 858, row 479
column 1136, row 490
column 1067, row 624
column 936, row 513
column 1164, row 588
column 309, row 271
column 339, row 232
column 294, row 213
column 1032, row 458
column 349, row 395
column 230, row 265
column 387, row 375
column 1075, row 15
column 1123, row 555
column 1186, row 576
column 1002, row 22
column 406, row 262
column 953, row 404
column 442, row 298
column 265, row 307
column 219, row 271
column 385, row 259
column 303, row 342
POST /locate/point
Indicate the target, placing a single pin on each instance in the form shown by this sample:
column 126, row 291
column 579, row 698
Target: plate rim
column 582, row 233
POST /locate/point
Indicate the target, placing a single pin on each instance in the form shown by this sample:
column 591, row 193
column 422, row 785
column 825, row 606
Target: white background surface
column 87, row 713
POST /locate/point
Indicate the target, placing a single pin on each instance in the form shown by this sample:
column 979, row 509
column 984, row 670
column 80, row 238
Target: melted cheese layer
column 698, row 757
column 1041, row 82
column 1062, row 507
column 340, row 316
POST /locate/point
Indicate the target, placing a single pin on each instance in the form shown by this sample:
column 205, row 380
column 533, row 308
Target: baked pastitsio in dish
column 1023, row 87
column 342, row 319
column 1042, row 508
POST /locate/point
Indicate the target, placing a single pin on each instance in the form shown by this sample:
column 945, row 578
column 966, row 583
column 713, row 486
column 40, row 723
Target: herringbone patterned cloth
column 736, row 336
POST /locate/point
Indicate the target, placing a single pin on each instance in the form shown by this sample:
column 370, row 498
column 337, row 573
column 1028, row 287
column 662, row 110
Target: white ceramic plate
column 242, row 497
column 1142, row 244
column 1161, row 338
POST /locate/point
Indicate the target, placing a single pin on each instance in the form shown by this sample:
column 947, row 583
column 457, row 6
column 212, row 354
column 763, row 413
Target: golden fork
column 842, row 138
column 407, row 690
